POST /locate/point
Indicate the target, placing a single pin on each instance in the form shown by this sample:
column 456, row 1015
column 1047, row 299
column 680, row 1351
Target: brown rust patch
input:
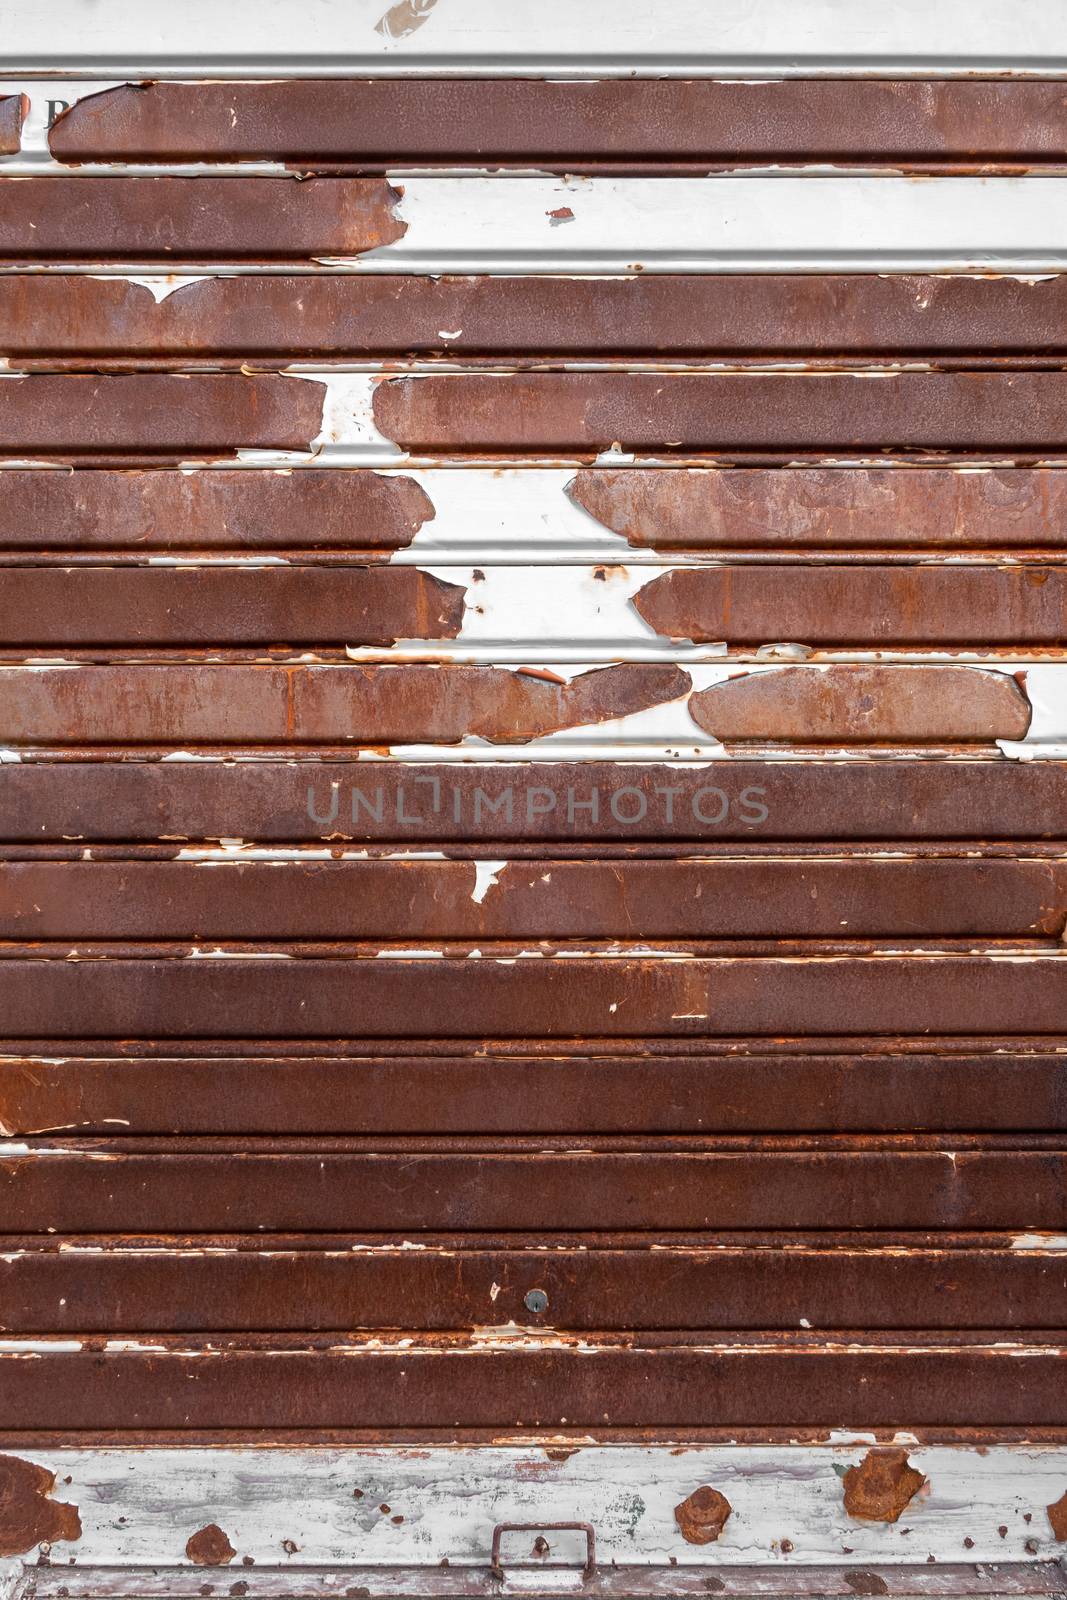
column 867, row 1583
column 748, row 507
column 12, row 112
column 27, row 1516
column 880, row 1487
column 703, row 1515
column 857, row 703
column 163, row 508
column 169, row 219
column 210, row 1547
column 1057, row 1516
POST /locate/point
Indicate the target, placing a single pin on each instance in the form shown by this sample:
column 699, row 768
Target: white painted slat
column 252, row 38
column 297, row 1507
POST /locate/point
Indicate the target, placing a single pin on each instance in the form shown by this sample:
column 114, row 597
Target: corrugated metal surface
column 533, row 797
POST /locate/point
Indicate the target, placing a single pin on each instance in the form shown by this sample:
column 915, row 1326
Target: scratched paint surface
column 533, row 779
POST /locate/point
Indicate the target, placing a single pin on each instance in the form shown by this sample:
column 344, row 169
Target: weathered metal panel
column 324, row 1281
column 213, row 1185
column 572, row 126
column 170, row 219
column 117, row 795
column 390, row 1382
column 762, row 897
column 707, row 1086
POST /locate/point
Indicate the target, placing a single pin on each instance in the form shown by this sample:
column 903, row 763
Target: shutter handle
column 497, row 1570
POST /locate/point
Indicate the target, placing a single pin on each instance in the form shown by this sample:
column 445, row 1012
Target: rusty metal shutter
column 533, row 792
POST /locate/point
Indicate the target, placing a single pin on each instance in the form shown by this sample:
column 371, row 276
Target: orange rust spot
column 210, row 1547
column 879, row 1488
column 27, row 1516
column 703, row 1515
column 1057, row 1516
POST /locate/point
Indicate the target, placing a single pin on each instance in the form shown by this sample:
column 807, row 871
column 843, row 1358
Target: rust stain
column 703, row 1515
column 858, row 703
column 27, row 1516
column 404, row 19
column 866, row 1583
column 881, row 1486
column 1057, row 1516
column 210, row 1547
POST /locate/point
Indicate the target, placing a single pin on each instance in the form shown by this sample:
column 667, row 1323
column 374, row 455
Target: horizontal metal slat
column 183, row 1382
column 271, row 993
column 826, row 604
column 201, row 219
column 232, row 319
column 748, row 412
column 627, row 125
column 796, row 507
column 287, row 801
column 537, row 899
column 151, row 414
column 130, row 1187
column 304, row 605
column 163, row 1285
column 870, row 1085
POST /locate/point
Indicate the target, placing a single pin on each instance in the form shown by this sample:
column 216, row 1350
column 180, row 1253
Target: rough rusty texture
column 1024, row 412
column 12, row 112
column 1057, row 1516
column 737, row 508
column 207, row 1283
column 193, row 219
column 532, row 899
column 362, row 705
column 163, row 509
column 534, row 1184
column 854, row 702
column 854, row 605
column 152, row 414
column 210, row 1547
column 336, row 1381
column 756, row 800
column 867, row 1086
column 703, row 1515
column 27, row 1515
column 276, row 994
column 45, row 318
column 881, row 1486
column 212, row 605
column 373, row 124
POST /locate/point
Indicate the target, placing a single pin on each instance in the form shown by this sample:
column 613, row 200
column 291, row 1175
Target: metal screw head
column 535, row 1300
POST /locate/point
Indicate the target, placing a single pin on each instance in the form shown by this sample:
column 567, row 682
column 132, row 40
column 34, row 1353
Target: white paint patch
column 486, row 873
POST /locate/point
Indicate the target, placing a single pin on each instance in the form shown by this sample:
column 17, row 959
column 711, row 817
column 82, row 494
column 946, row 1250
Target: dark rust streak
column 193, row 219
column 628, row 125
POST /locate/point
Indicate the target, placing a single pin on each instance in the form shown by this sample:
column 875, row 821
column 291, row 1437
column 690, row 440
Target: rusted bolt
column 879, row 1488
column 703, row 1515
column 535, row 1300
column 1057, row 1516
